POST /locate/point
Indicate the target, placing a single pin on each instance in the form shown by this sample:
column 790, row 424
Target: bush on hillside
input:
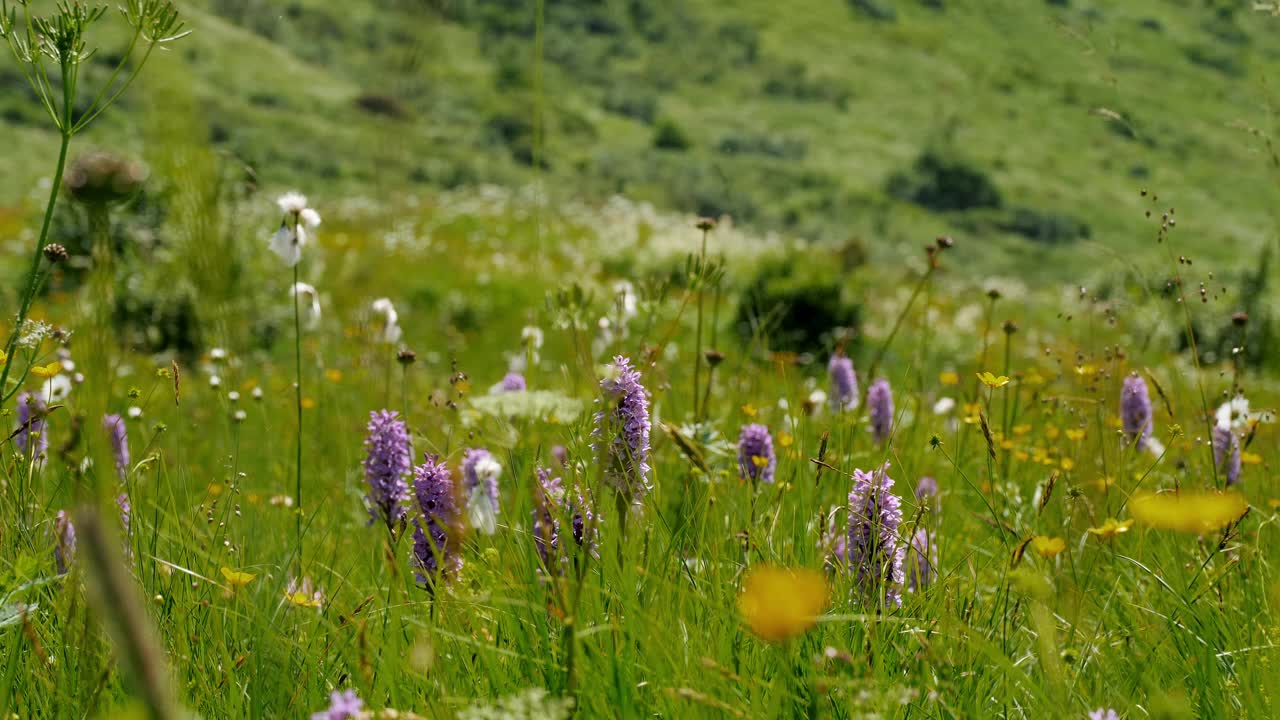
column 943, row 183
column 795, row 305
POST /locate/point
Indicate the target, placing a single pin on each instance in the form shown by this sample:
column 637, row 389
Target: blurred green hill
column 1025, row 128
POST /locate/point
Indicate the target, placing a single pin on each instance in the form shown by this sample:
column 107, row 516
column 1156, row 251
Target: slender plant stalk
column 297, row 354
column 33, row 275
column 697, row 348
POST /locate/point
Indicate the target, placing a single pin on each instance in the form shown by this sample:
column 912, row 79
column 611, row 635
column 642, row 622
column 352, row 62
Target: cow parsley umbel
column 873, row 550
column 386, row 465
column 621, row 435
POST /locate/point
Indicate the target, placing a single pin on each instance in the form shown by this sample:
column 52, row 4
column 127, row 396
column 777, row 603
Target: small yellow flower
column 333, row 375
column 785, row 439
column 993, row 381
column 1021, row 455
column 750, row 410
column 948, row 377
column 1115, row 422
column 3, row 358
column 1075, row 434
column 47, row 371
column 1048, row 547
column 1189, row 512
column 308, row 404
column 1249, row 458
column 236, row 578
column 1111, row 528
column 1068, row 463
column 781, row 603
column 301, row 599
column 1021, row 429
column 1006, row 444
column 1086, row 370
column 759, row 461
column 1052, row 432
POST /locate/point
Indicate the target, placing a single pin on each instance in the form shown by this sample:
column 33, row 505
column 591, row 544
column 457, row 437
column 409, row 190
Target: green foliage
column 944, row 183
column 796, row 304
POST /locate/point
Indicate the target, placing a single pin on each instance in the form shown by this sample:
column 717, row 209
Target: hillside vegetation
column 1029, row 126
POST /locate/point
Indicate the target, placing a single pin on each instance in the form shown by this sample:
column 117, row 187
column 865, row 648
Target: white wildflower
column 134, row 412
column 56, row 388
column 310, row 301
column 944, row 406
column 390, row 320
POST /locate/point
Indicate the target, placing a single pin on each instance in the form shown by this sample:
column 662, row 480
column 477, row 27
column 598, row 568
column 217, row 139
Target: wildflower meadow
column 391, row 425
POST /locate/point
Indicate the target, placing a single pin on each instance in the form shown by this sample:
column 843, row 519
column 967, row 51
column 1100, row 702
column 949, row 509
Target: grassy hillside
column 796, row 121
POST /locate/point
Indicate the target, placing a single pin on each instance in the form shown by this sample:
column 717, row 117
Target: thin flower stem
column 33, row 275
column 297, row 353
column 697, row 348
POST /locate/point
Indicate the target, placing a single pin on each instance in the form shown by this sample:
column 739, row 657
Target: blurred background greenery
column 859, row 128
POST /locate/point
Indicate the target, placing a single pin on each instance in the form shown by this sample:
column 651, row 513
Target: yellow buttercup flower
column 781, row 603
column 785, row 439
column 333, row 375
column 1249, row 458
column 236, row 578
column 1111, row 528
column 1189, row 512
column 750, row 410
column 1022, row 429
column 1048, row 547
column 993, row 381
column 47, row 371
column 1075, row 434
column 948, row 377
column 301, row 599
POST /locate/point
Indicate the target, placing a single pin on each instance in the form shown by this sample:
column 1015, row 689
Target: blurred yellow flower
column 3, row 358
column 785, row 439
column 781, row 603
column 1075, row 434
column 1111, row 528
column 308, row 404
column 1249, row 458
column 1189, row 512
column 333, row 375
column 46, row 371
column 1068, row 463
column 993, row 381
column 1048, row 546
column 1033, row 378
column 948, row 377
column 1052, row 432
column 1021, row 429
column 301, row 599
column 236, row 578
column 750, row 410
column 1086, row 370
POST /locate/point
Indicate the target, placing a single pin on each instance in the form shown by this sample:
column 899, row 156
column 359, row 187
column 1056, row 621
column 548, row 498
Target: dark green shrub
column 943, row 183
column 1045, row 227
column 874, row 10
column 628, row 100
column 670, row 136
column 795, row 305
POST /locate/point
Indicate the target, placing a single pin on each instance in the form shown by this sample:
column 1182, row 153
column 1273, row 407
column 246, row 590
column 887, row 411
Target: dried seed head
column 55, row 253
column 705, row 224
column 1010, row 327
column 993, row 293
column 944, row 241
column 1240, row 319
column 406, row 356
column 714, row 357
